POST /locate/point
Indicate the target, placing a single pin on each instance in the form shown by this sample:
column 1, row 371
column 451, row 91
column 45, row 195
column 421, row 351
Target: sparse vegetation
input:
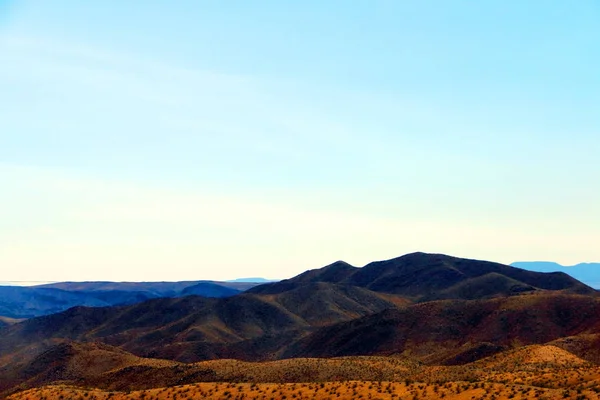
column 534, row 372
column 328, row 390
column 471, row 344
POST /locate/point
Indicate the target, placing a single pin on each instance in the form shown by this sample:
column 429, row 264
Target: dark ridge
column 425, row 277
column 333, row 273
column 34, row 301
column 209, row 289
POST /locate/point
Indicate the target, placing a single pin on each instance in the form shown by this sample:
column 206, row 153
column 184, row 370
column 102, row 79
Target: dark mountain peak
column 338, row 264
column 416, row 260
column 430, row 276
column 333, row 273
column 417, row 255
column 424, row 276
column 337, row 272
column 425, row 259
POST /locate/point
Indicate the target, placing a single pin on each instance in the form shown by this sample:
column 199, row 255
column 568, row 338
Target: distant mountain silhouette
column 157, row 289
column 209, row 289
column 33, row 301
column 425, row 277
column 588, row 273
column 417, row 276
column 253, row 280
column 27, row 302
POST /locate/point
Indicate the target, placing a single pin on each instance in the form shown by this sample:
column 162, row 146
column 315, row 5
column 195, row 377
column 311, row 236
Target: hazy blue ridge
column 34, row 301
column 255, row 280
column 588, row 273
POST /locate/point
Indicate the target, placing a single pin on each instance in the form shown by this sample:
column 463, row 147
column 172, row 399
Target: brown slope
column 534, row 371
column 457, row 331
column 77, row 363
column 533, row 357
column 425, row 277
column 322, row 304
column 195, row 328
column 586, row 346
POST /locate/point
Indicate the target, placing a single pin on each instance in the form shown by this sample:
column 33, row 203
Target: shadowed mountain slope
column 456, row 332
column 251, row 327
column 78, row 363
column 424, row 277
column 337, row 272
column 196, row 328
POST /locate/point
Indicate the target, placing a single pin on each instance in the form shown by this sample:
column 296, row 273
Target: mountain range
column 589, row 273
column 431, row 309
column 425, row 277
column 31, row 301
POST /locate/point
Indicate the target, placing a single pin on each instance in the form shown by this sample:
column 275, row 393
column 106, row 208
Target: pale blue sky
column 153, row 140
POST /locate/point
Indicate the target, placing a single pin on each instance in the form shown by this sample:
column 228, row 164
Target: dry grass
column 532, row 372
column 326, row 390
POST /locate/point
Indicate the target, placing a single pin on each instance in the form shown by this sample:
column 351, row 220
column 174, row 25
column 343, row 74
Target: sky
column 153, row 140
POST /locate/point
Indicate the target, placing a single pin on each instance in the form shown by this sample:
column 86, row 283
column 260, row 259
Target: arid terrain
column 533, row 372
column 418, row 326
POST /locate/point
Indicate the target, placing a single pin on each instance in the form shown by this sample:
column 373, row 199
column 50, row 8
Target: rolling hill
column 431, row 309
column 74, row 369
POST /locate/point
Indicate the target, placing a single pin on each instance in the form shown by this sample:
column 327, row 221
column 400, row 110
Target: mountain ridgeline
column 431, row 308
column 589, row 273
column 34, row 301
column 425, row 277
